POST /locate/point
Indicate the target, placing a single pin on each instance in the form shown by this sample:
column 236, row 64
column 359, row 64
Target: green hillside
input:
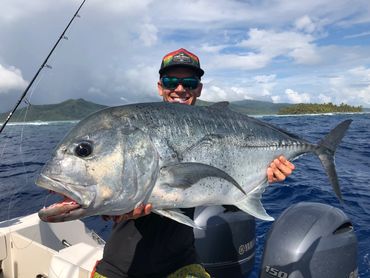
column 76, row 109
column 251, row 107
column 72, row 109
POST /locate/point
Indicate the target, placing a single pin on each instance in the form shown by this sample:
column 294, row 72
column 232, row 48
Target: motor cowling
column 310, row 240
column 226, row 246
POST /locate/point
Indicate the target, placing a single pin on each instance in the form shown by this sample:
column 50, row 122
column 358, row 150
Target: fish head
column 100, row 168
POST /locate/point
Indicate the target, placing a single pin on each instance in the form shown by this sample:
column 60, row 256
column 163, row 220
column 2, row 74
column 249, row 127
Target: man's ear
column 160, row 88
column 199, row 90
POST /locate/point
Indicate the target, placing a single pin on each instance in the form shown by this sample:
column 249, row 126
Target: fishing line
column 20, row 153
column 34, row 232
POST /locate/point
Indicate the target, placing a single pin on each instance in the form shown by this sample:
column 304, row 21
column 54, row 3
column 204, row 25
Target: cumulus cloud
column 259, row 87
column 262, row 47
column 305, row 24
column 291, row 96
column 296, row 97
column 324, row 98
column 244, row 62
column 352, row 86
column 273, row 44
column 11, row 79
column 131, row 85
column 148, row 34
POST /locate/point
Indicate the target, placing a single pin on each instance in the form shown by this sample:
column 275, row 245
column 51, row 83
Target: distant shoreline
column 38, row 123
column 73, row 110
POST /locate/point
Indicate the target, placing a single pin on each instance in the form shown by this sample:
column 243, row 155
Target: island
column 319, row 108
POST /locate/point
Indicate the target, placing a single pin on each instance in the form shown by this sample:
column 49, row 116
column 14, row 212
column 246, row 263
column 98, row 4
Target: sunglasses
column 171, row 83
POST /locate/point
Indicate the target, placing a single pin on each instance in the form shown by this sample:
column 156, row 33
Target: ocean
column 24, row 148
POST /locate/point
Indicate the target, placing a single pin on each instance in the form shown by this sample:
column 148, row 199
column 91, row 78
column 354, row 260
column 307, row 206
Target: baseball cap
column 181, row 58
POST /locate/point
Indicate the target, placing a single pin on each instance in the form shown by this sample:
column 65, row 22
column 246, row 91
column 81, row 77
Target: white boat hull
column 32, row 248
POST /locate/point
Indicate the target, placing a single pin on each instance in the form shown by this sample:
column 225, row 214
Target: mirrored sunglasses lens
column 170, row 82
column 190, row 83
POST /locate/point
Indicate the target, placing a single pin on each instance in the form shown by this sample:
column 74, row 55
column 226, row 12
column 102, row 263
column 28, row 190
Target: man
column 153, row 246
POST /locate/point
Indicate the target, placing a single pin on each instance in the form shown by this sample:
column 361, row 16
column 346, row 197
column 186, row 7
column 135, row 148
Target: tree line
column 316, row 108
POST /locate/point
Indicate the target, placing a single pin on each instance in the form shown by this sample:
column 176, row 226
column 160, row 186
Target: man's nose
column 180, row 88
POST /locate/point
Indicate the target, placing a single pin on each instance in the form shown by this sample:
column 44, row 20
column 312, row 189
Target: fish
column 172, row 156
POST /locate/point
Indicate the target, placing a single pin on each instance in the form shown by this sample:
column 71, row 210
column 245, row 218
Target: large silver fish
column 172, row 156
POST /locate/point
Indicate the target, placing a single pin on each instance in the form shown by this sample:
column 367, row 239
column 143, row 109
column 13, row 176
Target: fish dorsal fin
column 220, row 105
column 252, row 204
column 177, row 215
column 184, row 175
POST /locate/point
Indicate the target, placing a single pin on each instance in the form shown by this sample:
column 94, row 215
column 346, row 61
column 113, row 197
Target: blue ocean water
column 25, row 148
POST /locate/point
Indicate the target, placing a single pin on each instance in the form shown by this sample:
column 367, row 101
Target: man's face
column 181, row 94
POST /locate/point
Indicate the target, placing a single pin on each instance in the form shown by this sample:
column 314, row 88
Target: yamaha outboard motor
column 226, row 246
column 310, row 240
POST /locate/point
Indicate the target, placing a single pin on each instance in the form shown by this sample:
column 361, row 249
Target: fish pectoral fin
column 252, row 205
column 177, row 215
column 186, row 174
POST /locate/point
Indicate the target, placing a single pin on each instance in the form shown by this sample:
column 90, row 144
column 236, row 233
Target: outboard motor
column 310, row 240
column 226, row 246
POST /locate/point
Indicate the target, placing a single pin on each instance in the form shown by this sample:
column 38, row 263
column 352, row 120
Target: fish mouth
column 72, row 206
column 65, row 210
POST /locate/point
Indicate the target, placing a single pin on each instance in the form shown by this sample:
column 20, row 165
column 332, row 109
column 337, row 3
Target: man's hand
column 279, row 169
column 140, row 211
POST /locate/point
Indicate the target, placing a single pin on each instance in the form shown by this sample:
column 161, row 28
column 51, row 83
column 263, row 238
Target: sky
column 313, row 51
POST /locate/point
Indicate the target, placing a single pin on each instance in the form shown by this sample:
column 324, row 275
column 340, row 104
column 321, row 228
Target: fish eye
column 83, row 149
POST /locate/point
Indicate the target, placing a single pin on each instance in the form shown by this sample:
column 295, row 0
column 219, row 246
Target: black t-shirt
column 151, row 246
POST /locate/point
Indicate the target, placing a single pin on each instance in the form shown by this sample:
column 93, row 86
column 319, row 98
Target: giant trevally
column 173, row 156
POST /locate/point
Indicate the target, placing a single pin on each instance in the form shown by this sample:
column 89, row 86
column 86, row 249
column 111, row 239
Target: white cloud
column 249, row 61
column 305, row 24
column 11, row 79
column 352, row 86
column 265, row 78
column 148, row 34
column 273, row 44
column 295, row 97
column 127, row 7
column 257, row 87
column 324, row 98
column 212, row 48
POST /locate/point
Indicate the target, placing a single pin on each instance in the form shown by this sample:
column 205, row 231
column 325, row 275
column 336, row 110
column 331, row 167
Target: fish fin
column 220, row 105
column 186, row 174
column 177, row 215
column 252, row 204
column 326, row 150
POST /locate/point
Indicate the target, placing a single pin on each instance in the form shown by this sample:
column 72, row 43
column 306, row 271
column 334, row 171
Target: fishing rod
column 44, row 64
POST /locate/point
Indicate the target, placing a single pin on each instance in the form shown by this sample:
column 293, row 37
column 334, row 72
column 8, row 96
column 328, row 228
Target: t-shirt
column 151, row 246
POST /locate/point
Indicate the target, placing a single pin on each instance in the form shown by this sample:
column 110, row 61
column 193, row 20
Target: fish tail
column 326, row 150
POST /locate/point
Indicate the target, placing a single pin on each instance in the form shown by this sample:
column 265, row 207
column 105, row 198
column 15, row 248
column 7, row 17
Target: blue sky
column 279, row 51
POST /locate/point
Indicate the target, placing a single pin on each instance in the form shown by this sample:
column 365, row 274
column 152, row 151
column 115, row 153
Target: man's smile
column 179, row 99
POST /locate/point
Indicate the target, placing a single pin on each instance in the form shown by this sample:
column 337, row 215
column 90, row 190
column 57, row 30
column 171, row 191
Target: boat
column 32, row 248
column 307, row 240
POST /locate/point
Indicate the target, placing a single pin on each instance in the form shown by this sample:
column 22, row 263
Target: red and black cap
column 181, row 58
